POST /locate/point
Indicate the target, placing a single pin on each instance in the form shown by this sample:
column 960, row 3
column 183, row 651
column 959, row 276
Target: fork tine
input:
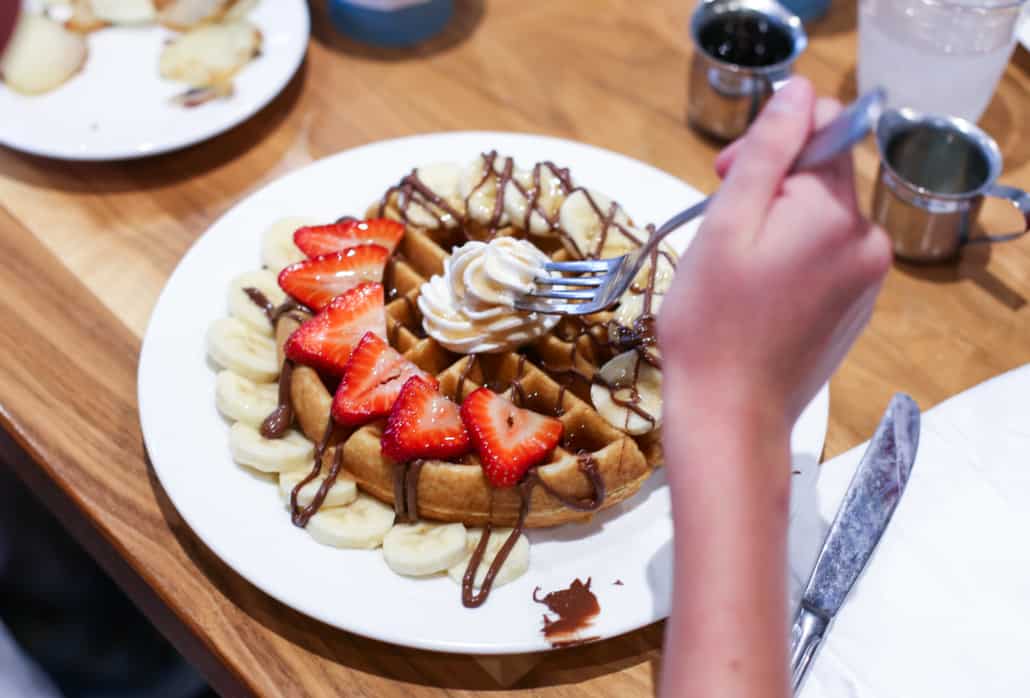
column 570, row 280
column 583, row 265
column 550, row 308
column 561, row 294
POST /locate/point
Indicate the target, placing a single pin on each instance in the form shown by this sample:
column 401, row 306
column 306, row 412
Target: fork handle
column 674, row 223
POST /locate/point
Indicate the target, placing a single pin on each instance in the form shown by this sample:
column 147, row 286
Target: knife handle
column 805, row 637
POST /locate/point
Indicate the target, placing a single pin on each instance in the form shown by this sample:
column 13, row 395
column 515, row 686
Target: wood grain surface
column 86, row 248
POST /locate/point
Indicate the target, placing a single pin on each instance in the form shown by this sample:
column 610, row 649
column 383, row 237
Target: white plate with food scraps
column 118, row 107
column 625, row 551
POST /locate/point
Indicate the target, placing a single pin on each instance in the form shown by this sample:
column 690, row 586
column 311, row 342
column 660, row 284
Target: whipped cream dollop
column 470, row 308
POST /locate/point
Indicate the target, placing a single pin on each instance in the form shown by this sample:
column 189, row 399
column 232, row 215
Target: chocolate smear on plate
column 575, row 609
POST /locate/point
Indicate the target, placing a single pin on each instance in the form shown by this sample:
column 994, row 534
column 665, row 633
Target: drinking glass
column 936, row 56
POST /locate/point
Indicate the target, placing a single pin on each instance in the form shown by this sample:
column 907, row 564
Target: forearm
column 727, row 632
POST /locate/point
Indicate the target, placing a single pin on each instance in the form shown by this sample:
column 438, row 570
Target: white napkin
column 943, row 608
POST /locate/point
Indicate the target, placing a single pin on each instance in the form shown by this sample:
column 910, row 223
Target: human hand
column 780, row 280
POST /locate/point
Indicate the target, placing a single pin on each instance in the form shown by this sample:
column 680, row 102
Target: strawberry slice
column 315, row 240
column 510, row 440
column 424, row 424
column 315, row 282
column 372, row 381
column 325, row 342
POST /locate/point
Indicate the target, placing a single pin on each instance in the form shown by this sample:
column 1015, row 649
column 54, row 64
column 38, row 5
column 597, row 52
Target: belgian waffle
column 597, row 464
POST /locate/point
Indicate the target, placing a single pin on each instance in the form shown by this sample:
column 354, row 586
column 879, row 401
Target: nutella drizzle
column 300, row 517
column 279, row 422
column 459, row 389
column 469, row 598
column 297, row 311
column 261, row 300
column 633, row 403
column 516, row 393
column 405, row 490
column 575, row 607
column 587, row 466
column 407, row 188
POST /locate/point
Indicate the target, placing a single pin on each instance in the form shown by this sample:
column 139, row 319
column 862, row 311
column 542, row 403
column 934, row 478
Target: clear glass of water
column 936, row 56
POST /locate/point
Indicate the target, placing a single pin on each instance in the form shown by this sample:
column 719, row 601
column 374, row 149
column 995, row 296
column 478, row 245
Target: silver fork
column 601, row 282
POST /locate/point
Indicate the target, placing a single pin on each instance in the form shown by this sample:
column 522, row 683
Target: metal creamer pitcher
column 725, row 95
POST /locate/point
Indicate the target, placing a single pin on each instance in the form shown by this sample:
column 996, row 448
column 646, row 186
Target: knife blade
column 868, row 505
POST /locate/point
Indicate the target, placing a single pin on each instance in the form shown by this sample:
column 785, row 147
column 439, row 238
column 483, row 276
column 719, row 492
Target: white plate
column 1023, row 28
column 118, row 106
column 241, row 518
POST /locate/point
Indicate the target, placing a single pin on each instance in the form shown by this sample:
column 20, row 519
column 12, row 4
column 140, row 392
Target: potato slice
column 183, row 15
column 211, row 54
column 41, row 56
column 83, row 20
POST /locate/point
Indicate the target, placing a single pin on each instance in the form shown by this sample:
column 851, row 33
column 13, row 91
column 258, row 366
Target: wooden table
column 86, row 248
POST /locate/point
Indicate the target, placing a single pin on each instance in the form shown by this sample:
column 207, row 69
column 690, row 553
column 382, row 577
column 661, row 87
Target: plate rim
column 819, row 405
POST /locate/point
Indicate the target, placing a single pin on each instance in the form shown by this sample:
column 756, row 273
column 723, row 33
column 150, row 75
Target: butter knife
column 863, row 516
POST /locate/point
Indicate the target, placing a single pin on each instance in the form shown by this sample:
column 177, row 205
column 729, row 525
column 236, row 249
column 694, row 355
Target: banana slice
column 277, row 248
column 513, row 568
column 479, row 189
column 631, row 307
column 342, row 492
column 442, row 178
column 646, row 395
column 664, row 274
column 235, row 346
column 246, row 310
column 550, row 199
column 361, row 524
column 124, row 11
column 242, row 400
column 422, row 548
column 210, row 54
column 41, row 56
column 248, row 447
column 583, row 215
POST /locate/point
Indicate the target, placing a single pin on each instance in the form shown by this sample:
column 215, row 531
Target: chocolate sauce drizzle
column 587, row 465
column 298, row 311
column 301, row 517
column 575, row 607
column 278, row 423
column 469, row 598
column 413, row 191
column 459, row 388
column 405, row 490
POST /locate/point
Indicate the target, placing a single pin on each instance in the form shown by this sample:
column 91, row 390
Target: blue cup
column 394, row 23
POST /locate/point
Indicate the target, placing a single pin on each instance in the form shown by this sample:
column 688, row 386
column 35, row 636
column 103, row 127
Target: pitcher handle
column 1018, row 198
